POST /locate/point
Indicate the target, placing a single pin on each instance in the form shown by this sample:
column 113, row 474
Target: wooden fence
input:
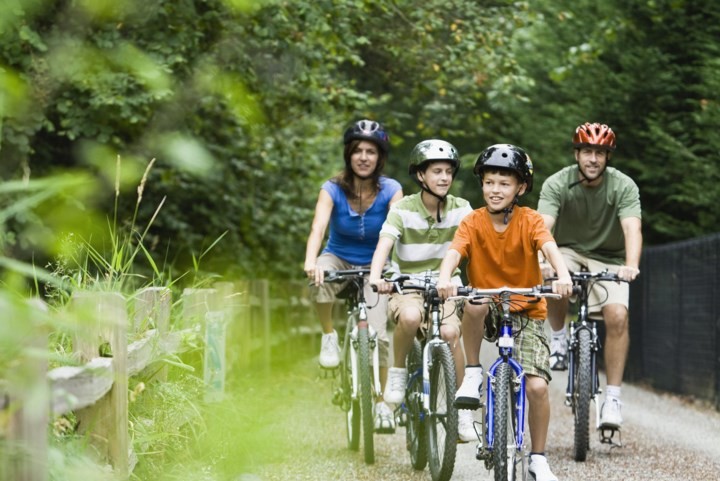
column 96, row 389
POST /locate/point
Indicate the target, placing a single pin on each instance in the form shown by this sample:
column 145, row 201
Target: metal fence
column 675, row 319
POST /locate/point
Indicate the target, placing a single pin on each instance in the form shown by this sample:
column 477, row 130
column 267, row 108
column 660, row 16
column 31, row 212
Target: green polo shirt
column 587, row 219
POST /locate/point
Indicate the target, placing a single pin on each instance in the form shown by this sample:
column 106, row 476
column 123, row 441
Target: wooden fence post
column 29, row 414
column 261, row 291
column 103, row 314
column 241, row 331
column 152, row 309
column 205, row 306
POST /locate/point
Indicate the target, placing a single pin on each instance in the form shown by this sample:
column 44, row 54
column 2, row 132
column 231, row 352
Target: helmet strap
column 507, row 210
column 586, row 178
column 440, row 198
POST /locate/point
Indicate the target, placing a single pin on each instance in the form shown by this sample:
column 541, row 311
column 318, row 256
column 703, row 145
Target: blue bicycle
column 502, row 446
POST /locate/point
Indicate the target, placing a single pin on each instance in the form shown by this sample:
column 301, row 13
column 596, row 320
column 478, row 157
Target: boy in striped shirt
column 415, row 237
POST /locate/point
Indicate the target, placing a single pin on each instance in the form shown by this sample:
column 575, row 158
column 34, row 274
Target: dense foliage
column 243, row 104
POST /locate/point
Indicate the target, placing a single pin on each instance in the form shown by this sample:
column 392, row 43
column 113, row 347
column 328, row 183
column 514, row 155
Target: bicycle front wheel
column 415, row 429
column 582, row 395
column 442, row 419
column 504, row 450
column 350, row 404
column 366, row 394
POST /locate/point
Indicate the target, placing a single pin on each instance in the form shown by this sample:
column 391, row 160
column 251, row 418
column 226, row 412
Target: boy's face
column 500, row 188
column 438, row 177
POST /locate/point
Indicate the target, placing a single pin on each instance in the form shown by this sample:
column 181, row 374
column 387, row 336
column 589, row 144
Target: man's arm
column 632, row 228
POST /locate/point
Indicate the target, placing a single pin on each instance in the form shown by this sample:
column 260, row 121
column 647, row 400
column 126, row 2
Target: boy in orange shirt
column 501, row 242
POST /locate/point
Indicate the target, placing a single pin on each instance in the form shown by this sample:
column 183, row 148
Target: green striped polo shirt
column 420, row 241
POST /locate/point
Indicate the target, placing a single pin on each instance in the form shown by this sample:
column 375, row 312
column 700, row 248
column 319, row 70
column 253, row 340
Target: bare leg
column 404, row 334
column 557, row 312
column 451, row 335
column 324, row 311
column 473, row 329
column 617, row 342
column 536, row 389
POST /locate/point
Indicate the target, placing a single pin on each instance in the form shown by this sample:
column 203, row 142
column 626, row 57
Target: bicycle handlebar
column 472, row 293
column 585, row 276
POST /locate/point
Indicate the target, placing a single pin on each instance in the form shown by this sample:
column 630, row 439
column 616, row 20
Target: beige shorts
column 602, row 293
column 450, row 313
column 377, row 305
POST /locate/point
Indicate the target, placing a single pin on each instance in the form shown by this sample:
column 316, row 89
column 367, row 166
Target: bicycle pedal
column 607, row 434
column 328, row 372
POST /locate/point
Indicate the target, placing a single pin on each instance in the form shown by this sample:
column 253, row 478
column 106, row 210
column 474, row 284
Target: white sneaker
column 468, row 396
column 558, row 354
column 610, row 416
column 539, row 469
column 329, row 351
column 395, row 386
column 384, row 418
column 466, row 426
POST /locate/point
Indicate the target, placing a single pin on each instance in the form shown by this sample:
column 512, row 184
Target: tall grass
column 165, row 418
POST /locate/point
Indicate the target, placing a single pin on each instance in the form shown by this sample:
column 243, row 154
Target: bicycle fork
column 373, row 344
column 484, row 452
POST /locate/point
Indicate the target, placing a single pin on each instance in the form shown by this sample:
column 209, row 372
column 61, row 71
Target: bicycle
column 583, row 379
column 358, row 385
column 501, row 438
column 428, row 412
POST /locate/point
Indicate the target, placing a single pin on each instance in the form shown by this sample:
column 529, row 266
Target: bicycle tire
column 415, row 429
column 366, row 395
column 442, row 419
column 350, row 405
column 581, row 396
column 503, row 437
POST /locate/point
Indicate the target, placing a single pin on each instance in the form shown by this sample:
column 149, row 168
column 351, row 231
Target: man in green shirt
column 415, row 236
column 594, row 213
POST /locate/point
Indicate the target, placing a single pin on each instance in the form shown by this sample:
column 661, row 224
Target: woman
column 354, row 204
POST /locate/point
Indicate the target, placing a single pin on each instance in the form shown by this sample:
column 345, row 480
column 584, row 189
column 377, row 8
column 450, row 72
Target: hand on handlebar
column 381, row 286
column 627, row 273
column 445, row 288
column 563, row 286
column 315, row 274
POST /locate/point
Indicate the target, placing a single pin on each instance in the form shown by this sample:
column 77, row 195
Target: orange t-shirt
column 509, row 258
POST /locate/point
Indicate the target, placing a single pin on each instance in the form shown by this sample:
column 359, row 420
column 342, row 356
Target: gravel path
column 666, row 438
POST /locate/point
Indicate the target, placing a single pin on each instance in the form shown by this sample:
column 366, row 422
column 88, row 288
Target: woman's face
column 364, row 159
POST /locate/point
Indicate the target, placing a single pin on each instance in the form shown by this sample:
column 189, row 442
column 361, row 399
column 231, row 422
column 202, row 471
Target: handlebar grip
column 464, row 291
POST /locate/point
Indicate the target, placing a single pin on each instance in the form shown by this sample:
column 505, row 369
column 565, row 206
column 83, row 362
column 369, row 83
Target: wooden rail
column 96, row 389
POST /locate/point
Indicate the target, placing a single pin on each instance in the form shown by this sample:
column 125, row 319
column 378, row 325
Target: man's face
column 591, row 161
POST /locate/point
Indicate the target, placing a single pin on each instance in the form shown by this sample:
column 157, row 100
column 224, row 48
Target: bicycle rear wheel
column 415, row 429
column 442, row 419
column 366, row 394
column 504, row 452
column 350, row 405
column 581, row 395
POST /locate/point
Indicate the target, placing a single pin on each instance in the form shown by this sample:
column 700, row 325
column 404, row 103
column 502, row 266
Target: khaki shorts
column 602, row 293
column 450, row 312
column 377, row 305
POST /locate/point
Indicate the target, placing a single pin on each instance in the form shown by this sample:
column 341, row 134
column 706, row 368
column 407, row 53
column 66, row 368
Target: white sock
column 612, row 392
column 559, row 335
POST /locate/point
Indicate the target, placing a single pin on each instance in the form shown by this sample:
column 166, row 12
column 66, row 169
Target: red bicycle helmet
column 594, row 135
